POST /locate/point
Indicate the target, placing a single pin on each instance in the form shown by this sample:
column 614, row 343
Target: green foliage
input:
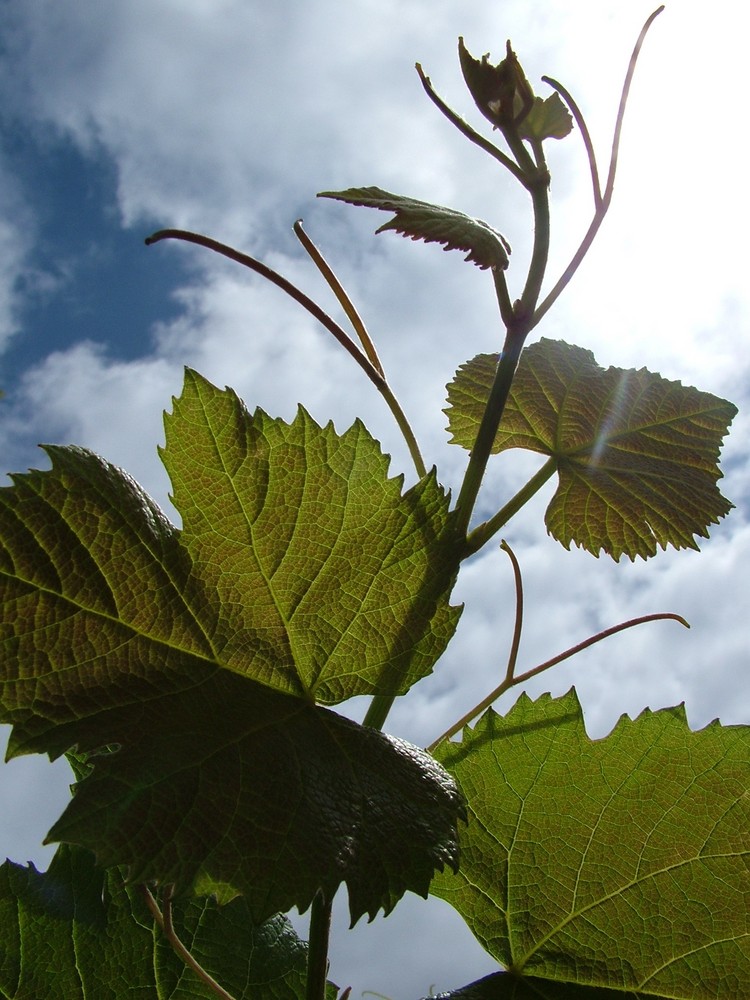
column 571, row 843
column 77, row 931
column 325, row 581
column 188, row 670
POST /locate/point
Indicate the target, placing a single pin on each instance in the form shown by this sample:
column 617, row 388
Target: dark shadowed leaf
column 619, row 863
column 483, row 245
column 229, row 787
column 637, row 455
column 78, row 932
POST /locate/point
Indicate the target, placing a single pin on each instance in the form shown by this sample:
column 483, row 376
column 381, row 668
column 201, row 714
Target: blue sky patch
column 87, row 278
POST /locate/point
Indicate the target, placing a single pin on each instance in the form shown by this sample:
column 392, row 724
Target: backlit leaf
column 78, row 932
column 619, row 863
column 483, row 245
column 637, row 455
column 317, row 576
column 300, row 570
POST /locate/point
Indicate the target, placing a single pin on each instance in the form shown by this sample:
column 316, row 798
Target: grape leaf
column 300, row 564
column 317, row 576
column 78, row 932
column 291, row 572
column 636, row 454
column 420, row 220
column 229, row 787
column 619, row 863
column 504, row 986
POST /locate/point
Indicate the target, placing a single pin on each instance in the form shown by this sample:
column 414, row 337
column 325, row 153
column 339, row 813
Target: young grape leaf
column 501, row 92
column 78, row 932
column 637, row 455
column 619, row 863
column 420, row 220
column 548, row 119
column 300, row 568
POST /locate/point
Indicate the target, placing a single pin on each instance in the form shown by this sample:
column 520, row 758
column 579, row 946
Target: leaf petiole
column 480, row 535
column 164, row 920
column 340, row 292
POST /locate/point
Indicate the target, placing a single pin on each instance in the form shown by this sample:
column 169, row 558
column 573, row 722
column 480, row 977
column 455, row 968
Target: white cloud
column 80, row 397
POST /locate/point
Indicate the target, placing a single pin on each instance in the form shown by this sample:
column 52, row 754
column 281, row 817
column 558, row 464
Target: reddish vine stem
column 511, row 680
column 368, row 360
column 281, row 282
column 518, row 626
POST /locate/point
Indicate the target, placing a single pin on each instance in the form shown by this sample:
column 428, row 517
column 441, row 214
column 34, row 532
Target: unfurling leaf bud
column 502, row 93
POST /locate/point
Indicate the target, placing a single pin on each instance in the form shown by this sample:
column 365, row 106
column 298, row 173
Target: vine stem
column 526, row 312
column 480, row 453
column 518, row 326
column 517, row 319
column 164, row 921
column 317, row 947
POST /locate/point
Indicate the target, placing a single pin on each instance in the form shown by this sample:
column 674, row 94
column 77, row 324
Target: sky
column 226, row 117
